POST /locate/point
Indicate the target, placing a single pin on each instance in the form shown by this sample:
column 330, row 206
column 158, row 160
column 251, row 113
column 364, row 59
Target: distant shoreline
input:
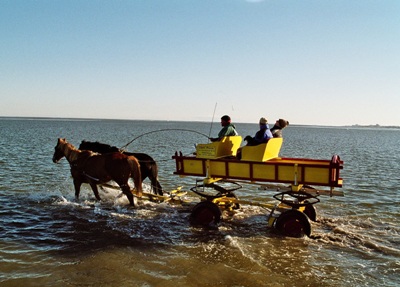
column 376, row 126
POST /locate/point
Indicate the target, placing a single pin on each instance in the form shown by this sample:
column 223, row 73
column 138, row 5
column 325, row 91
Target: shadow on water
column 53, row 223
column 67, row 228
column 109, row 232
column 88, row 232
column 70, row 227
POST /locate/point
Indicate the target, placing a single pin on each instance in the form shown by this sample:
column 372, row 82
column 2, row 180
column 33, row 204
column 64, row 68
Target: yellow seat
column 262, row 152
column 227, row 146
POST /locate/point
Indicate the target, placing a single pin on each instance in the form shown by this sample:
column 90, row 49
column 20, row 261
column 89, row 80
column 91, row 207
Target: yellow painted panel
column 264, row 171
column 239, row 169
column 206, row 150
column 227, row 146
column 192, row 166
column 287, row 173
column 217, row 168
column 300, row 161
column 262, row 152
column 316, row 175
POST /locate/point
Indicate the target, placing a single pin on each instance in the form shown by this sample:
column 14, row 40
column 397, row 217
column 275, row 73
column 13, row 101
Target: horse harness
column 77, row 165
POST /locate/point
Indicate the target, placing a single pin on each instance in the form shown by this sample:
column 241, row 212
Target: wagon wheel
column 205, row 213
column 310, row 211
column 303, row 198
column 221, row 191
column 293, row 223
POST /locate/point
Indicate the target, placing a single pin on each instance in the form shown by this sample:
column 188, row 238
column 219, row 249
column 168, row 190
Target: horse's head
column 59, row 150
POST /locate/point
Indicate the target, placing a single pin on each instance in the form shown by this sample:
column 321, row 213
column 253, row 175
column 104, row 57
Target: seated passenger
column 262, row 136
column 228, row 129
column 278, row 127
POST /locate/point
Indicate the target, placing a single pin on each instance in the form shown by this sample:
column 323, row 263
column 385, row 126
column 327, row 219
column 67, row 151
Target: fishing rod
column 212, row 121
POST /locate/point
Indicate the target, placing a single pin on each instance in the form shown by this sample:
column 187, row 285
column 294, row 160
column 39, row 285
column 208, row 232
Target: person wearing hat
column 277, row 128
column 228, row 129
column 262, row 136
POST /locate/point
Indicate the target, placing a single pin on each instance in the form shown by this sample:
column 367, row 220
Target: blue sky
column 310, row 62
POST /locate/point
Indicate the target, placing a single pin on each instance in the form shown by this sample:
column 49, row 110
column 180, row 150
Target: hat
column 283, row 123
column 263, row 121
column 226, row 118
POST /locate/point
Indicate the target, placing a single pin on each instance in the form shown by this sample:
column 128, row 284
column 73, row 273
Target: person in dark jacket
column 262, row 136
column 278, row 127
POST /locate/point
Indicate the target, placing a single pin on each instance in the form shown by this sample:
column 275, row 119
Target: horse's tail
column 136, row 174
column 154, row 179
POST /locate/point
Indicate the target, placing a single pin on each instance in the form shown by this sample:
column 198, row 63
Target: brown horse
column 93, row 168
column 148, row 166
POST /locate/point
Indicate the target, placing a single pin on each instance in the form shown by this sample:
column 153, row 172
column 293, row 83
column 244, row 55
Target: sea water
column 47, row 238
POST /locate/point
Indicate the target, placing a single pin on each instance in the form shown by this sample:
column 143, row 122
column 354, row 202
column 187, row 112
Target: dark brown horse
column 148, row 166
column 93, row 168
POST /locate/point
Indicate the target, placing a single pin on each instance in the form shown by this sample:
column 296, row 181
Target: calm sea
column 47, row 238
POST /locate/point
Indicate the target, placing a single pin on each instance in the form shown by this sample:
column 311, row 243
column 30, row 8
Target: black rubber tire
column 311, row 212
column 205, row 213
column 293, row 223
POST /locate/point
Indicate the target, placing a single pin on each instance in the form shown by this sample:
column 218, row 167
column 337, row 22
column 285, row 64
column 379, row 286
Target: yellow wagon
column 224, row 162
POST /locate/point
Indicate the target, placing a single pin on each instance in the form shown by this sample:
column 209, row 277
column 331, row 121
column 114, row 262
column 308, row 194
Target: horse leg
column 156, row 186
column 95, row 190
column 159, row 189
column 146, row 172
column 153, row 176
column 127, row 191
column 77, row 186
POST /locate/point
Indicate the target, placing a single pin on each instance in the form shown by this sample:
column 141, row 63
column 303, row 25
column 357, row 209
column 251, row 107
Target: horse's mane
column 98, row 147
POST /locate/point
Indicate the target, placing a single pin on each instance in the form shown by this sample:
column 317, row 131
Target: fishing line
column 162, row 130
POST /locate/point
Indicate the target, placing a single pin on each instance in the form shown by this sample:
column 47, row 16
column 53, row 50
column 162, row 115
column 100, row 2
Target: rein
column 91, row 177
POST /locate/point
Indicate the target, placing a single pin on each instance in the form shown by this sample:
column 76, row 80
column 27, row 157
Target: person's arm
column 220, row 135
